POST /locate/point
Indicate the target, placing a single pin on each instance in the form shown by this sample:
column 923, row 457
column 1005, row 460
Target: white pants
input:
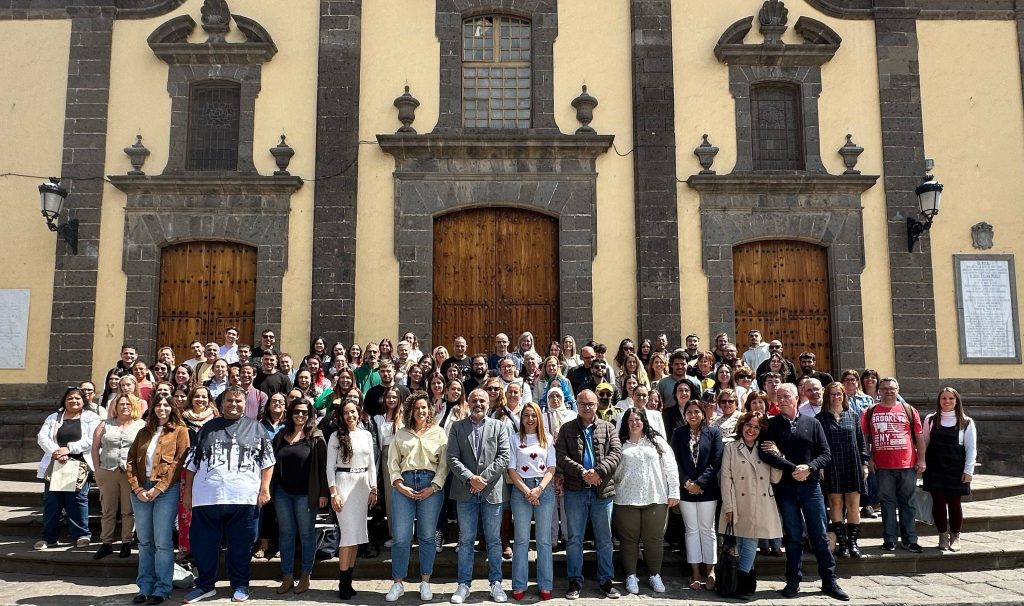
column 701, row 543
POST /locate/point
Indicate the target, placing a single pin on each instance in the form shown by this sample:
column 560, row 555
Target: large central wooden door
column 781, row 288
column 205, row 287
column 495, row 270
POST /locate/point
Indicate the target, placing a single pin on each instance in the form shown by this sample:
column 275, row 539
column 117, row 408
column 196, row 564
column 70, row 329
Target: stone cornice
column 781, row 183
column 993, row 10
column 206, row 184
column 782, row 54
column 495, row 146
column 63, row 9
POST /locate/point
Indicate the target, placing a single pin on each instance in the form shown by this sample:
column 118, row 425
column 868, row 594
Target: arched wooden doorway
column 205, row 287
column 781, row 287
column 495, row 270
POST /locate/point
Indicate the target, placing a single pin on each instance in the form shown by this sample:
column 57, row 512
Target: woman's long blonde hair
column 541, row 434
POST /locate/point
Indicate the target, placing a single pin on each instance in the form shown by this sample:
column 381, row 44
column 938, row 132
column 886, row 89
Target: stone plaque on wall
column 13, row 326
column 986, row 299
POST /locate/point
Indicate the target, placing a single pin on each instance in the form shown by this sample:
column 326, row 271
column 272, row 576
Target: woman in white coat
column 748, row 501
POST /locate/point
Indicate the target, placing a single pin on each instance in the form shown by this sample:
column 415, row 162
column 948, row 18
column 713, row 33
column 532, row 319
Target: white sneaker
column 460, row 595
column 389, row 543
column 438, row 541
column 497, row 593
column 426, row 593
column 657, row 585
column 397, row 590
column 632, row 584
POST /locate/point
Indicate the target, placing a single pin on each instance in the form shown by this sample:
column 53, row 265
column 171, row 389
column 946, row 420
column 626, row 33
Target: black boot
column 344, row 584
column 842, row 550
column 852, row 534
column 352, row 590
column 746, row 585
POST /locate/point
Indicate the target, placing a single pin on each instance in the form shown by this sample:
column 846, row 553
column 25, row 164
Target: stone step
column 981, row 551
column 30, row 494
column 18, row 472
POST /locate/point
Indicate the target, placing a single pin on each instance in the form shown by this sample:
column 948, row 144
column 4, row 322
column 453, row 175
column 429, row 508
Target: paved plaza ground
column 998, row 587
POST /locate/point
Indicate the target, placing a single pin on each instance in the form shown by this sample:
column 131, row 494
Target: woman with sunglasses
column 300, row 488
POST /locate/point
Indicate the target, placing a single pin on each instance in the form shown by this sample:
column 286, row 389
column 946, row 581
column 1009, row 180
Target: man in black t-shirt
column 269, row 380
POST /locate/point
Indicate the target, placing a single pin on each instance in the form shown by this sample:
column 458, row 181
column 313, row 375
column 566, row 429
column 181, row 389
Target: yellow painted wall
column 32, row 122
column 974, row 129
column 139, row 102
column 848, row 104
column 595, row 51
column 581, row 54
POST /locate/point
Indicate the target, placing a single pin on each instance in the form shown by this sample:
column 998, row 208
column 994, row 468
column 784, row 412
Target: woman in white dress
column 352, row 478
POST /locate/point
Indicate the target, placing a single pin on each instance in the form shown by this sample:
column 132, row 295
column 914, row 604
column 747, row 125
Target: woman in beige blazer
column 748, row 501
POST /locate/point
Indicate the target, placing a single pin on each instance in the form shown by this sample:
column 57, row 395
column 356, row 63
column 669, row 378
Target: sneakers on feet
column 657, row 585
column 438, row 541
column 43, row 545
column 888, row 546
column 497, row 593
column 397, row 590
column 389, row 543
column 241, row 594
column 82, row 541
column 912, row 547
column 426, row 593
column 196, row 594
column 868, row 512
column 574, row 591
column 632, row 584
column 460, row 595
column 609, row 590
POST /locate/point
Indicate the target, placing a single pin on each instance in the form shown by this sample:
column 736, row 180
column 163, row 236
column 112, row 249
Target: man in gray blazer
column 478, row 453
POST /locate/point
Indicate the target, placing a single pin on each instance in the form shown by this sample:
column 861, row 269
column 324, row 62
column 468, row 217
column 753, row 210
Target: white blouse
column 531, row 460
column 644, row 477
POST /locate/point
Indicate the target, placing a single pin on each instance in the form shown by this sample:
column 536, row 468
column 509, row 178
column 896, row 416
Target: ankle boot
column 303, row 585
column 344, row 585
column 746, row 584
column 852, row 534
column 286, row 585
column 943, row 541
column 839, row 530
column 351, row 589
column 954, row 541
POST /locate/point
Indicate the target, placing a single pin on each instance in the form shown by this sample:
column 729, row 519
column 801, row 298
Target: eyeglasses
column 300, row 413
column 774, row 347
column 587, row 404
column 641, row 396
column 494, row 389
column 727, row 401
column 87, row 390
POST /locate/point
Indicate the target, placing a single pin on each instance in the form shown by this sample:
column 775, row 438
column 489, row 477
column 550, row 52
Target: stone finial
column 585, row 104
column 406, row 105
column 216, row 18
column 282, row 153
column 137, row 153
column 850, row 152
column 981, row 236
column 773, row 17
column 706, row 153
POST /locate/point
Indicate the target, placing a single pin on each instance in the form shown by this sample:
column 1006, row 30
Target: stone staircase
column 993, row 538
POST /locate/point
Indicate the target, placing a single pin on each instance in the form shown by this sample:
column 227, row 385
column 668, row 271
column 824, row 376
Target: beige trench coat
column 747, row 492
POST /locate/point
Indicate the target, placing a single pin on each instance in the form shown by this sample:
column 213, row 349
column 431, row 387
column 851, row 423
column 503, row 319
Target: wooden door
column 495, row 270
column 781, row 288
column 205, row 287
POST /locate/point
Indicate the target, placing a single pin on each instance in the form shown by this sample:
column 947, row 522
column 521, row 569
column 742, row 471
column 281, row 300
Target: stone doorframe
column 161, row 211
column 821, row 209
column 437, row 173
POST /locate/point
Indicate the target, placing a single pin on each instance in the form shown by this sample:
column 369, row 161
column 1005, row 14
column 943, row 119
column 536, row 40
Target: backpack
column 907, row 408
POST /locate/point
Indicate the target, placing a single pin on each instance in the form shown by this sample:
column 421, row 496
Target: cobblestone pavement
column 997, row 587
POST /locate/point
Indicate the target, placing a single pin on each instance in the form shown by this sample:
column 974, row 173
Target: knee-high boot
column 344, row 582
column 839, row 529
column 852, row 534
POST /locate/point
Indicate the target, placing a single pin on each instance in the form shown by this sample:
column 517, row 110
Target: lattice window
column 496, row 72
column 778, row 127
column 214, row 109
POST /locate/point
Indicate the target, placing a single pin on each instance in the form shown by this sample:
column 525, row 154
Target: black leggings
column 940, row 503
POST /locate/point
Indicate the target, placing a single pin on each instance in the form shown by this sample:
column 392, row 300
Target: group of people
column 510, row 445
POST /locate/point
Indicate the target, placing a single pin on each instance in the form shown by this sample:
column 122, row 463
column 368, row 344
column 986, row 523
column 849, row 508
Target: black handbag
column 727, row 568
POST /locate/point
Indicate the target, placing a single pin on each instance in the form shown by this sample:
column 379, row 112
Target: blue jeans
column 474, row 513
column 777, row 542
column 580, row 505
column 75, row 504
column 238, row 524
column 522, row 513
column 896, row 489
column 404, row 510
column 295, row 516
column 154, row 523
column 800, row 503
column 746, row 550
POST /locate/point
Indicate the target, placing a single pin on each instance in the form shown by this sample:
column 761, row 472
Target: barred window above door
column 778, row 128
column 496, row 80
column 214, row 109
